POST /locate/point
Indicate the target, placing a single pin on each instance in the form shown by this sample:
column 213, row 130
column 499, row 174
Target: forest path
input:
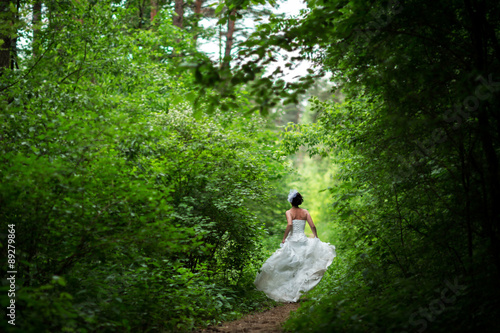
column 262, row 322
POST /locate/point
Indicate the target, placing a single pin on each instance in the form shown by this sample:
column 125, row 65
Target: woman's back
column 300, row 262
column 298, row 213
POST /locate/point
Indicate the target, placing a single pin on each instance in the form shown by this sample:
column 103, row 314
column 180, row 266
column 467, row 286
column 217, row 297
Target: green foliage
column 131, row 210
column 145, row 193
column 392, row 217
column 416, row 147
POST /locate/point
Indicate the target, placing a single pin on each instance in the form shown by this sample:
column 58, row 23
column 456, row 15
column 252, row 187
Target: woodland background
column 147, row 180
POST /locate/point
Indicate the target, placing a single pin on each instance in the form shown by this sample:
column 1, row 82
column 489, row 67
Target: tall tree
column 5, row 34
column 229, row 38
column 37, row 17
column 154, row 9
column 421, row 123
column 178, row 19
column 197, row 13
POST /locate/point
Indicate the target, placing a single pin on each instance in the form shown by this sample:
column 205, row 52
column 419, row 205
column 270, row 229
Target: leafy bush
column 131, row 210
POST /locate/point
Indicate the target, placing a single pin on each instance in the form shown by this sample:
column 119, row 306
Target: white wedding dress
column 296, row 267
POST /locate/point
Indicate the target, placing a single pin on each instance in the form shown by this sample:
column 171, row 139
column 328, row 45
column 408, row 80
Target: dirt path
column 264, row 322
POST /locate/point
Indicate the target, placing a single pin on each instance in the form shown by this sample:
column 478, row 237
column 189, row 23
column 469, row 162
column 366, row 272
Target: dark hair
column 297, row 200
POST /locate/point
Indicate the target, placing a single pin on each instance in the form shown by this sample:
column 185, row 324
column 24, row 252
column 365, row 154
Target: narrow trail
column 269, row 321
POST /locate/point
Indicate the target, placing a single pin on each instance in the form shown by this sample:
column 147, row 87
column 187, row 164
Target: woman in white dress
column 300, row 263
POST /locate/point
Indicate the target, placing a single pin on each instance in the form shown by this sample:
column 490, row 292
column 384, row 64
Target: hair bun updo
column 297, row 200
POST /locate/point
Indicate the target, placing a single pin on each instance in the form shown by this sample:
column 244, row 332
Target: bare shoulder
column 308, row 216
column 305, row 211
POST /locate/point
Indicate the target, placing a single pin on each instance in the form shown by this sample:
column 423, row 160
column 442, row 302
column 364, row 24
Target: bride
column 300, row 263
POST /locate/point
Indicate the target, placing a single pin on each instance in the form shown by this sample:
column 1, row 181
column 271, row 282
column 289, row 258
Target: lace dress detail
column 296, row 267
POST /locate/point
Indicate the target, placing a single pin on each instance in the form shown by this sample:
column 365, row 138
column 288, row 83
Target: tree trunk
column 154, row 9
column 5, row 39
column 486, row 118
column 179, row 13
column 229, row 40
column 37, row 17
column 197, row 7
column 197, row 14
column 141, row 13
